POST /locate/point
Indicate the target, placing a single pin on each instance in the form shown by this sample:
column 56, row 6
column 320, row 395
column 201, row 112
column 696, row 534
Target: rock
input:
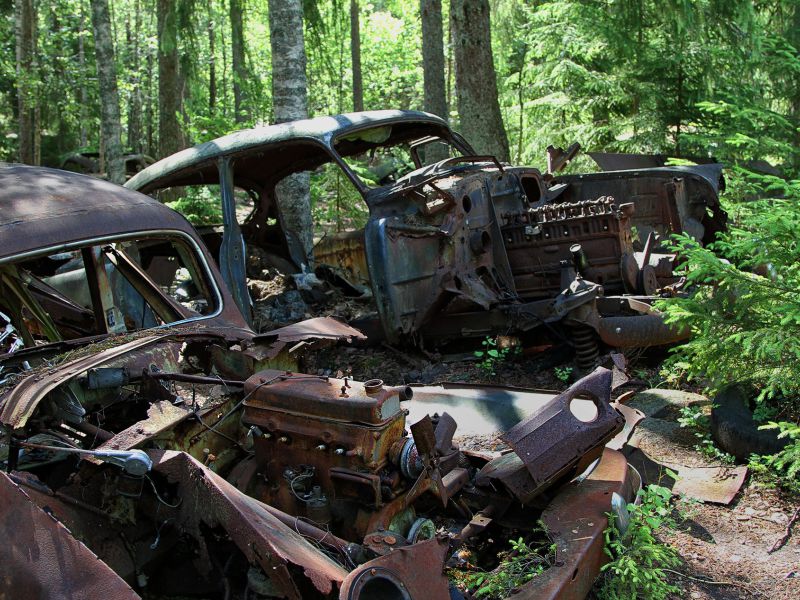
column 653, row 401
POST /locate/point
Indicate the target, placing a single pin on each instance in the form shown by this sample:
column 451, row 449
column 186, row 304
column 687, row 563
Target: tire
column 733, row 427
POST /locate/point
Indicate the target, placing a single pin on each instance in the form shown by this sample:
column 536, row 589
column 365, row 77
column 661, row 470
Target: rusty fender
column 40, row 559
column 575, row 521
column 280, row 551
column 639, row 331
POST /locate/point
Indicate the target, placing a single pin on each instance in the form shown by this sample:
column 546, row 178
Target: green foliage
column 696, row 419
column 493, row 355
column 638, row 559
column 335, row 203
column 744, row 312
column 781, row 469
column 518, row 566
column 201, row 206
column 563, row 373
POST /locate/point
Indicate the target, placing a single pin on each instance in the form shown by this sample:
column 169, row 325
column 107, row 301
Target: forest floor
column 725, row 548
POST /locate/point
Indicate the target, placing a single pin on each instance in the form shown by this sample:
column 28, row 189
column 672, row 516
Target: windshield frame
column 202, row 265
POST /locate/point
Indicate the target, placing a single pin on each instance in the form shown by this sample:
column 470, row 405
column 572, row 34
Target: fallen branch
column 739, row 584
column 785, row 538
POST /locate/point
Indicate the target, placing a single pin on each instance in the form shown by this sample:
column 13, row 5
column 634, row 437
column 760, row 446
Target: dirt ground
column 725, row 548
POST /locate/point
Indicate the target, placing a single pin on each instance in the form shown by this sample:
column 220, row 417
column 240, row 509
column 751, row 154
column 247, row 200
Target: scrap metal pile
column 153, row 445
column 187, row 480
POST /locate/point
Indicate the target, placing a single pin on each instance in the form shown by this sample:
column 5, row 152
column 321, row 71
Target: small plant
column 493, row 355
column 638, row 558
column 563, row 373
column 696, row 420
column 518, row 566
column 781, row 469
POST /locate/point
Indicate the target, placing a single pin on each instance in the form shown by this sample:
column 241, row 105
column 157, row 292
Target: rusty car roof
column 42, row 207
column 174, row 169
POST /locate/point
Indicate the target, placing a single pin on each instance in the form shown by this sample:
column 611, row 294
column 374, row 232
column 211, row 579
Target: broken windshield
column 379, row 156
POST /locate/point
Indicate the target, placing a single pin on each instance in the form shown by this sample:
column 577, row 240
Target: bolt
column 322, row 447
column 390, row 539
column 267, row 436
column 339, row 451
column 373, row 572
column 283, row 439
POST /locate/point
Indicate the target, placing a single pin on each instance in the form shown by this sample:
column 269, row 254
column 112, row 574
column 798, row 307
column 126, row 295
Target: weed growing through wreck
column 563, row 373
column 493, row 355
column 638, row 558
column 517, row 567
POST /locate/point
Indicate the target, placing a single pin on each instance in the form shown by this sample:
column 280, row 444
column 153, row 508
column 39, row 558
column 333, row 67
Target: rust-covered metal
column 576, row 520
column 264, row 539
column 42, row 560
column 562, row 437
column 469, row 247
column 197, row 460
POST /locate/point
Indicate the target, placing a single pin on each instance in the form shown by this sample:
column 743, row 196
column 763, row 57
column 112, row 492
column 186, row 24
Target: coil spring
column 587, row 348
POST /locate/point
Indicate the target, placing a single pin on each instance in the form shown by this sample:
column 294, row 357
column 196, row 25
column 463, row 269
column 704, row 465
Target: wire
column 159, row 498
column 291, row 485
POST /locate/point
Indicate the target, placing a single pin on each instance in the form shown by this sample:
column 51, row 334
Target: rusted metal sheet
column 281, row 552
column 40, row 559
column 558, row 435
column 632, row 418
column 319, row 328
column 575, row 521
column 19, row 403
column 344, row 251
column 718, row 485
column 411, row 573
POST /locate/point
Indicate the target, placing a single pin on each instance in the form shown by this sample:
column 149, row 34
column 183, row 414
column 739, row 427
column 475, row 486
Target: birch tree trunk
column 240, row 101
column 170, row 92
column 110, row 127
column 355, row 57
column 25, row 24
column 290, row 102
column 476, row 81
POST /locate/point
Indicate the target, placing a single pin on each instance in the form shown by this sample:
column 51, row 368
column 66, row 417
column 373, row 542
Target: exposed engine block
column 336, row 450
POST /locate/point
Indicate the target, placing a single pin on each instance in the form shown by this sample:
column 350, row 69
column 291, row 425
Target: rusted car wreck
column 459, row 245
column 154, row 446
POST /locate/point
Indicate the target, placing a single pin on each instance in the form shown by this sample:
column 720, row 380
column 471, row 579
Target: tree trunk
column 433, row 57
column 355, row 57
column 290, row 102
column 136, row 141
column 109, row 95
column 476, row 81
column 25, row 24
column 433, row 69
column 170, row 93
column 241, row 105
column 212, row 65
column 82, row 96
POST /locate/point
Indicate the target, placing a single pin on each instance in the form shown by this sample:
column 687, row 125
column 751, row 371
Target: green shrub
column 744, row 307
column 516, row 568
column 638, row 558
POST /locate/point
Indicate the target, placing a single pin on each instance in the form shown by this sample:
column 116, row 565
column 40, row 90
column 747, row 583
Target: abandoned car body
column 146, row 426
column 463, row 246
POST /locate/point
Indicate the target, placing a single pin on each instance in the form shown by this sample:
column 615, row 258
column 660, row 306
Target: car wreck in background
column 458, row 245
column 153, row 445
